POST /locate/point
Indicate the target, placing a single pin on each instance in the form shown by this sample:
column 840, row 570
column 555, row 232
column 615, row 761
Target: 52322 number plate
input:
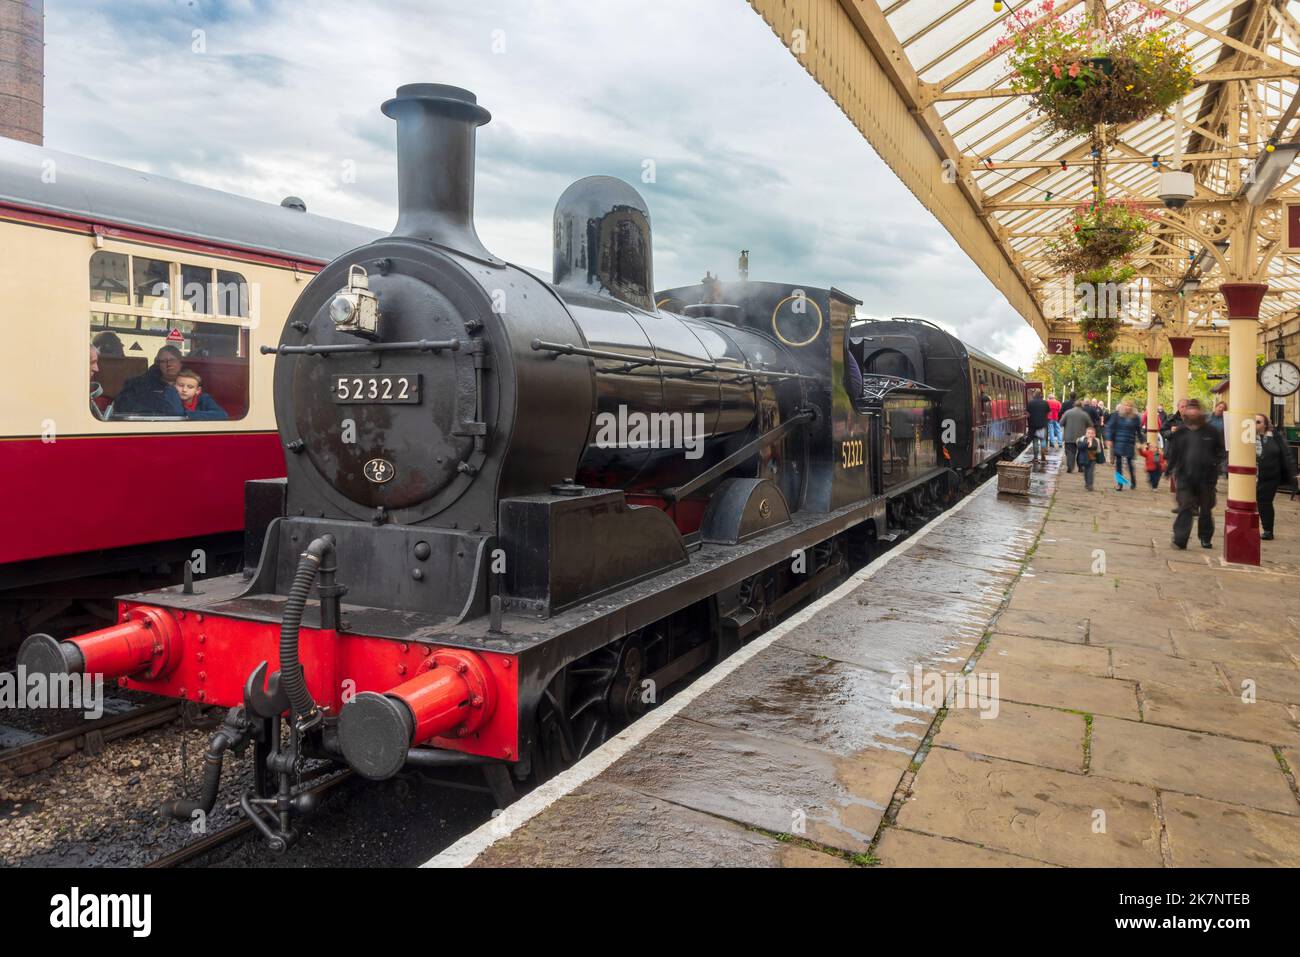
column 402, row 389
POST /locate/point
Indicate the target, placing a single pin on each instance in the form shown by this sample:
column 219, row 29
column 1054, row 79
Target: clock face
column 1280, row 377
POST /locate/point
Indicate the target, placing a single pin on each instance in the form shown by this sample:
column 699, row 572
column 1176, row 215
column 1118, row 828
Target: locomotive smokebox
column 435, row 165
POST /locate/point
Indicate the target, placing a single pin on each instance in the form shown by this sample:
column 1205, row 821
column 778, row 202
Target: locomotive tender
column 471, row 560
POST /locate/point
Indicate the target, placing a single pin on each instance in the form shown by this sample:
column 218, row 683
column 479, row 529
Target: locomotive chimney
column 435, row 164
column 22, row 73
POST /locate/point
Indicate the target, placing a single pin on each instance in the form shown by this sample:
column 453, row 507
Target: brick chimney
column 22, row 70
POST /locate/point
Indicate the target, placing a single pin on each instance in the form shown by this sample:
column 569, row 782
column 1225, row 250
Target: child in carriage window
column 197, row 403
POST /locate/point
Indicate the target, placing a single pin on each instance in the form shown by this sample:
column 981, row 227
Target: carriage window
column 150, row 363
column 152, row 281
column 231, row 294
column 108, row 282
column 195, row 283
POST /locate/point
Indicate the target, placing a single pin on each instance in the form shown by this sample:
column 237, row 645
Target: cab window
column 169, row 341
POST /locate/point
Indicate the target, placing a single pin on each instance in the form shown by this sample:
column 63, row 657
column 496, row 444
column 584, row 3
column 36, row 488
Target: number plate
column 403, row 389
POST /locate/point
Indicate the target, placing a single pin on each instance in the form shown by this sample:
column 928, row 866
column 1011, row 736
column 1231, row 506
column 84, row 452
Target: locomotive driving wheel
column 580, row 707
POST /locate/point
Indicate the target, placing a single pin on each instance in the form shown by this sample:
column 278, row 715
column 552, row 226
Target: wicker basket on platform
column 1013, row 478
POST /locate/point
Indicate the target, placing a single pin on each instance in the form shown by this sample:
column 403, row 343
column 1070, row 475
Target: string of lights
column 989, row 165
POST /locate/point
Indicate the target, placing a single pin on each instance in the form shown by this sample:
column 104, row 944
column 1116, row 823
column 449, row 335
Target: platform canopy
column 926, row 83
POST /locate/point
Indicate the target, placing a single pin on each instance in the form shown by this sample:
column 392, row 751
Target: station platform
column 1124, row 703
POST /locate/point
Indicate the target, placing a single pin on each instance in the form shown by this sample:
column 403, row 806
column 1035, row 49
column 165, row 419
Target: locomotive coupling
column 146, row 642
column 453, row 695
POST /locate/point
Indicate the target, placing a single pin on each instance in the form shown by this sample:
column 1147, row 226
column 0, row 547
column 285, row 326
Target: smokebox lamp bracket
column 355, row 308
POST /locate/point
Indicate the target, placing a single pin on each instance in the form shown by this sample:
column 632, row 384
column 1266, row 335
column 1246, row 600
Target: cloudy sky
column 272, row 97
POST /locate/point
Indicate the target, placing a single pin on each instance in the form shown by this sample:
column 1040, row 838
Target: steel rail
column 30, row 758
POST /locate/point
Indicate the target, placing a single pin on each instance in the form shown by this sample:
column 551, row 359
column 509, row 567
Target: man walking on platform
column 1274, row 468
column 1038, row 410
column 1074, row 423
column 1093, row 408
column 1193, row 457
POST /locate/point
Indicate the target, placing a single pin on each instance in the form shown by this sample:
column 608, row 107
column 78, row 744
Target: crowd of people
column 1188, row 446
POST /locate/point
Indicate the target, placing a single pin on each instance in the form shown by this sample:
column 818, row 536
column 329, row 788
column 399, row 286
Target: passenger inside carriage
column 196, row 403
column 96, row 390
column 109, row 345
column 153, row 393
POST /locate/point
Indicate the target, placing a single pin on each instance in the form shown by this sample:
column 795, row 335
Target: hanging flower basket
column 1100, row 297
column 1132, row 64
column 1099, row 235
column 1099, row 335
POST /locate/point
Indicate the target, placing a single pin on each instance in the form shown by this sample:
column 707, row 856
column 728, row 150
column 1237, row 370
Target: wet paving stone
column 1189, row 674
column 1062, row 625
column 1035, row 812
column 764, row 783
column 1245, row 647
column 1045, row 653
column 1018, row 732
column 1126, row 630
column 1177, row 760
column 902, row 848
column 1266, row 682
column 1265, row 721
column 836, row 707
column 1204, row 833
column 1055, row 687
column 640, row 831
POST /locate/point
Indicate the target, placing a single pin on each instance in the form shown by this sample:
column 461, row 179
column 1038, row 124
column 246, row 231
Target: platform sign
column 1058, row 347
column 1292, row 227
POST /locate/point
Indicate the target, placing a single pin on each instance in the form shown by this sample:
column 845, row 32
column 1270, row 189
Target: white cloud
column 749, row 151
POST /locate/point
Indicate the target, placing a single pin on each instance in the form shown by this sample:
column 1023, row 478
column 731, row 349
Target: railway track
column 210, row 842
column 88, row 736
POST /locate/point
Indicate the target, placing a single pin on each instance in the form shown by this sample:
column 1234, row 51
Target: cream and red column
column 1153, row 399
column 1182, row 349
column 1241, row 521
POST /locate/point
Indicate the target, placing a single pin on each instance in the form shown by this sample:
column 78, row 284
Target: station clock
column 1281, row 377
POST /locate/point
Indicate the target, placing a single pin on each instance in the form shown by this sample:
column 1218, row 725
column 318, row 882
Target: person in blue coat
column 154, row 392
column 1122, row 430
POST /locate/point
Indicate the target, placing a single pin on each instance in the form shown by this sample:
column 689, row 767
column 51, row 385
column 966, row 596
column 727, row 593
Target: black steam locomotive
column 517, row 511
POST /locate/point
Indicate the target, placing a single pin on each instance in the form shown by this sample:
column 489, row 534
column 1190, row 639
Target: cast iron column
column 1241, row 521
column 1182, row 348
